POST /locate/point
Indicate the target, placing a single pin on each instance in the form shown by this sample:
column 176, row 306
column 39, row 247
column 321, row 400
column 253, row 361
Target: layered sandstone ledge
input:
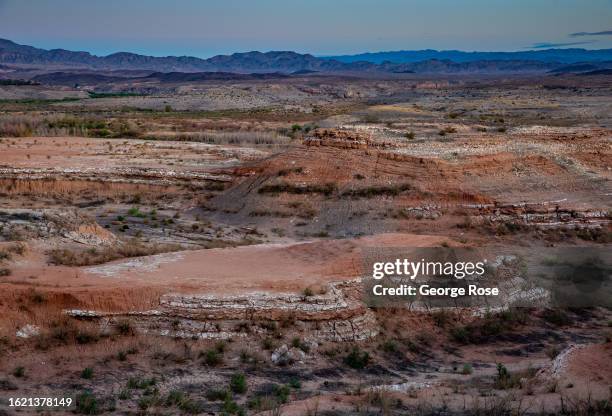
column 145, row 176
column 336, row 315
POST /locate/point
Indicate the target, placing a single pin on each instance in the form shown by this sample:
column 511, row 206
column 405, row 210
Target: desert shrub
column 248, row 358
column 191, row 406
column 504, row 380
column 492, row 325
column 297, row 343
column 87, row 373
column 410, row 135
column 467, row 369
column 17, row 248
column 86, row 337
column 212, row 357
column 148, row 400
column 357, row 359
column 87, row 404
column 183, row 402
column 5, row 272
column 261, row 403
column 510, row 227
column 460, row 334
column 267, row 344
column 62, row 330
column 230, row 407
column 36, row 297
column 19, row 372
column 238, row 383
column 281, row 392
column 217, row 395
column 442, row 317
column 125, row 394
column 141, row 383
column 294, row 383
column 135, row 212
column 278, row 231
column 124, row 327
column 389, row 346
column 174, row 397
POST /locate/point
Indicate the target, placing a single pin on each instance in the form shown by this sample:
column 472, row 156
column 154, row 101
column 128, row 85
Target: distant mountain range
column 287, row 62
column 564, row 56
column 13, row 53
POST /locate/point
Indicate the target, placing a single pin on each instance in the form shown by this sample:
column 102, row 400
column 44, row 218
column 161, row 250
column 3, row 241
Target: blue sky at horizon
column 205, row 28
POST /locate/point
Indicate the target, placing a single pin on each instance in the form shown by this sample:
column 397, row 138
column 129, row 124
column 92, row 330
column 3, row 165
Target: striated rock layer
column 336, row 315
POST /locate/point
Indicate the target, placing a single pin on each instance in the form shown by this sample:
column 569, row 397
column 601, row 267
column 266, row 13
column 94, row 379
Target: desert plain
column 195, row 246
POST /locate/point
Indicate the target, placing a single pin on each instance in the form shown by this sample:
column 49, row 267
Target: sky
column 205, row 28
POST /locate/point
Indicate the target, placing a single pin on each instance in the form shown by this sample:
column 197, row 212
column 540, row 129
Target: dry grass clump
column 489, row 327
column 17, row 126
column 227, row 137
column 578, row 406
column 26, row 125
column 66, row 331
column 92, row 256
column 6, row 253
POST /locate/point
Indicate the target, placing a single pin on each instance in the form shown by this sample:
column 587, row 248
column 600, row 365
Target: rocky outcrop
column 18, row 224
column 336, row 315
column 132, row 175
column 258, row 305
column 284, row 355
column 344, row 139
column 544, row 214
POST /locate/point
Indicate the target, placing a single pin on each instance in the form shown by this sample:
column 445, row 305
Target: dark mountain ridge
column 563, row 56
column 287, row 62
column 277, row 61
